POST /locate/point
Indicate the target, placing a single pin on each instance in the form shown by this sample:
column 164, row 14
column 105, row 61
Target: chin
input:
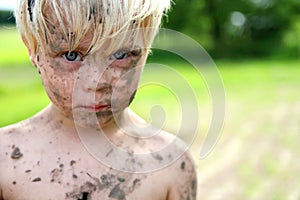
column 92, row 120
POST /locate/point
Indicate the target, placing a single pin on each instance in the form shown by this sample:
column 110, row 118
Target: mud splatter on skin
column 58, row 96
column 85, row 196
column 131, row 162
column 117, row 193
column 16, row 154
column 38, row 179
column 157, row 157
column 72, row 162
column 194, row 184
column 13, row 130
column 135, row 184
column 192, row 193
column 189, row 188
column 83, row 192
column 115, row 186
column 182, row 166
column 57, row 173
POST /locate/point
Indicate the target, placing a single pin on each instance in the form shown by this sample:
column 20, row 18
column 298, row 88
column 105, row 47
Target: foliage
column 239, row 28
column 6, row 17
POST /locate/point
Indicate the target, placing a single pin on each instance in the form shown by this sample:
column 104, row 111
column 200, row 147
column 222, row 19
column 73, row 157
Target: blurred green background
column 256, row 46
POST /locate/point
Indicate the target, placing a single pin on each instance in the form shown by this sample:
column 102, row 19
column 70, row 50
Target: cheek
column 125, row 88
column 128, row 80
column 127, row 76
column 59, row 86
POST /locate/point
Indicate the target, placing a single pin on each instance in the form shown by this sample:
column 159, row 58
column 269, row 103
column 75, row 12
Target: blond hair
column 36, row 19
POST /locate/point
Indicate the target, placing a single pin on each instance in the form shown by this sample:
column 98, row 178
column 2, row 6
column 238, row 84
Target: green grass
column 257, row 156
column 21, row 94
column 12, row 50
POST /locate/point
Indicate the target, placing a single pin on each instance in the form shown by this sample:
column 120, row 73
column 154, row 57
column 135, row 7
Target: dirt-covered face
column 89, row 85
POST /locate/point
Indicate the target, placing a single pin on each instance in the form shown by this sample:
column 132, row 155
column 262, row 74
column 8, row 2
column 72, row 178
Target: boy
column 90, row 55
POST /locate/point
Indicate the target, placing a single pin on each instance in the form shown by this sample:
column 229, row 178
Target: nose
column 103, row 87
column 94, row 74
column 97, row 81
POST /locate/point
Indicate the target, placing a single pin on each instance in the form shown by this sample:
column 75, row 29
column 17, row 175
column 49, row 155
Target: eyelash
column 124, row 55
column 77, row 56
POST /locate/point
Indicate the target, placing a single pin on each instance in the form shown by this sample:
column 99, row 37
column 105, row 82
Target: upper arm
column 1, row 197
column 184, row 187
column 1, row 161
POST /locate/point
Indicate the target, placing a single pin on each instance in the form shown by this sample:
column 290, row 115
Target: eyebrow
column 129, row 49
column 84, row 46
column 136, row 51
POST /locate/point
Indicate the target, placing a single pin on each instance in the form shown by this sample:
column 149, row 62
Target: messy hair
column 37, row 20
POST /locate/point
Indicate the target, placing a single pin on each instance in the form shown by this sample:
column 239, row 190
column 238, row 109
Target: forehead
column 90, row 29
column 89, row 37
column 129, row 40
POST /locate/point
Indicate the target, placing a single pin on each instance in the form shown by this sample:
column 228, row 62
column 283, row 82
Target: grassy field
column 257, row 155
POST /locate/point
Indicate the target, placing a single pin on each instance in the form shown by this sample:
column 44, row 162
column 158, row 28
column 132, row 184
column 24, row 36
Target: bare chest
column 76, row 178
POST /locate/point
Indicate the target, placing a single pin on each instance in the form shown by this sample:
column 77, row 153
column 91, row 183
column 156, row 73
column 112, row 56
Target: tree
column 6, row 17
column 237, row 28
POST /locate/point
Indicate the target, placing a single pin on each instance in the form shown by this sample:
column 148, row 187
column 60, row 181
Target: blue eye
column 119, row 55
column 72, row 56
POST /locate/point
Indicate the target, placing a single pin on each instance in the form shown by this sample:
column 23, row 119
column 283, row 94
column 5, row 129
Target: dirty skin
column 187, row 168
column 157, row 157
column 57, row 173
column 116, row 187
column 182, row 166
column 38, row 179
column 16, row 154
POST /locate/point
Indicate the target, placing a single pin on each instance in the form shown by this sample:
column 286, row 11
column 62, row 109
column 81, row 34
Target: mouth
column 97, row 108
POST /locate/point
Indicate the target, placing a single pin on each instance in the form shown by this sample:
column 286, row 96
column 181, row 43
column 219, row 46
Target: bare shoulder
column 176, row 170
column 181, row 173
column 9, row 135
column 14, row 134
column 186, row 184
column 10, row 138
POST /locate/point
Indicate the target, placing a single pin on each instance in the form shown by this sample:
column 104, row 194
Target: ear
column 32, row 59
column 32, row 55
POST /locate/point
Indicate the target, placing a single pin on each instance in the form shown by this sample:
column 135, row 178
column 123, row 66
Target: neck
column 58, row 120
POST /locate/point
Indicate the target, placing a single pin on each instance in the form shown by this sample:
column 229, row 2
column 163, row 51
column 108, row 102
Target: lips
column 97, row 108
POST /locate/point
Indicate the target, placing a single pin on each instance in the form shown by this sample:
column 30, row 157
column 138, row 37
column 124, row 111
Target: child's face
column 95, row 84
